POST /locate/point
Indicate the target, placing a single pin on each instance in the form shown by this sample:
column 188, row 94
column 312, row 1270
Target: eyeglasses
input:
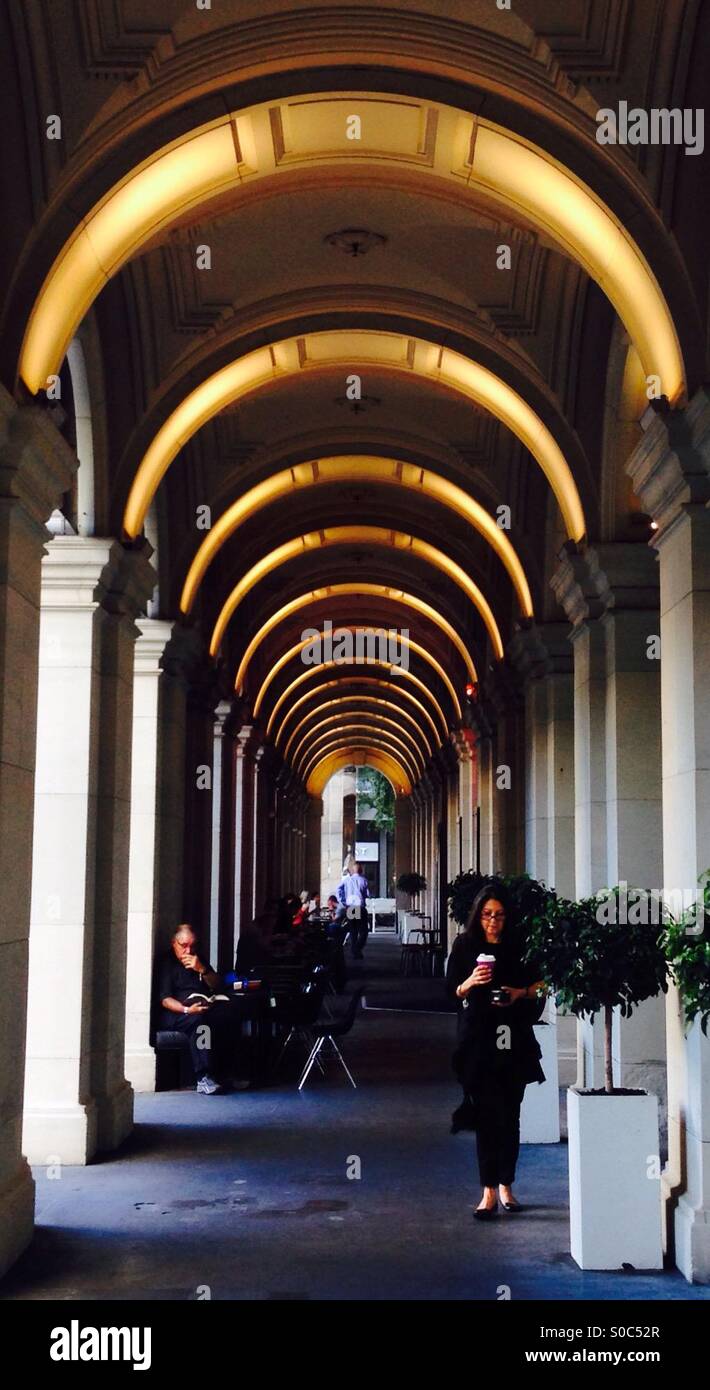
column 492, row 916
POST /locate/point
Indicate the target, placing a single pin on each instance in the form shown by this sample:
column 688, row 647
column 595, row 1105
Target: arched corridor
column 355, row 475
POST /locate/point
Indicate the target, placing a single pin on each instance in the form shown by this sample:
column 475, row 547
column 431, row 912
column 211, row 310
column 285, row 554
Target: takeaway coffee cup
column 487, row 962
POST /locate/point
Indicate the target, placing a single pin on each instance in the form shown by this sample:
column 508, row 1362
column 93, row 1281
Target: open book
column 208, row 998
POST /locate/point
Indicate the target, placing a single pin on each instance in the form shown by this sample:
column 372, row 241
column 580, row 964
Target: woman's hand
column 481, row 976
column 513, row 995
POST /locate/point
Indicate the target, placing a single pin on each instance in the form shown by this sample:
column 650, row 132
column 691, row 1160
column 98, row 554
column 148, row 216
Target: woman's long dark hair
column 492, row 888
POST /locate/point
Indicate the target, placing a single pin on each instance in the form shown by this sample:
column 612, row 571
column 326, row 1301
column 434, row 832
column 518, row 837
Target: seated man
column 185, row 987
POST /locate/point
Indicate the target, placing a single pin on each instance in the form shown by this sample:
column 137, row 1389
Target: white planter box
column 615, row 1206
column 540, row 1113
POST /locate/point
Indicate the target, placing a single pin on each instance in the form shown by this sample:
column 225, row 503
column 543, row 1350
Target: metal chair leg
column 339, row 1054
column 312, row 1058
column 280, row 1057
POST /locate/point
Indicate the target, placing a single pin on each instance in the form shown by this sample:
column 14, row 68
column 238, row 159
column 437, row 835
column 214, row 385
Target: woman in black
column 498, row 1053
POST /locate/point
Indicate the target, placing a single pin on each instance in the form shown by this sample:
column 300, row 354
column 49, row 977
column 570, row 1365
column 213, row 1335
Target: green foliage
column 374, row 793
column 411, row 883
column 527, row 895
column 594, row 959
column 687, row 946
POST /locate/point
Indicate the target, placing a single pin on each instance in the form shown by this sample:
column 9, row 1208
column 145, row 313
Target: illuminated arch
column 357, row 628
column 354, row 535
column 379, row 683
column 369, row 720
column 362, row 743
column 354, row 350
column 355, row 732
column 401, row 675
column 408, row 140
column 359, row 757
column 377, row 704
column 330, row 591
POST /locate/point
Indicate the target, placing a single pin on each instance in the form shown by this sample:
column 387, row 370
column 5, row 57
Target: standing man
column 352, row 894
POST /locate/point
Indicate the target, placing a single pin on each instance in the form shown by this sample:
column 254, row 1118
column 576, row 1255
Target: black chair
column 173, row 1065
column 327, row 1032
column 301, row 1011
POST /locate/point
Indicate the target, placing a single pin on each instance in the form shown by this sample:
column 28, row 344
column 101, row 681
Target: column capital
column 591, row 581
column 88, row 572
column 154, row 635
column 464, row 744
column 501, row 692
column 185, row 655
column 243, row 740
column 222, row 715
column 541, row 650
column 670, row 468
column 36, row 463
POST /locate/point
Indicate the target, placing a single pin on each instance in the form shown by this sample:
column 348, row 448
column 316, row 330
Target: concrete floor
column 249, row 1193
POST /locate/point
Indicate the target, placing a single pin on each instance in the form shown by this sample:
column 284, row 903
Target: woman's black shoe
column 511, row 1206
column 485, row 1213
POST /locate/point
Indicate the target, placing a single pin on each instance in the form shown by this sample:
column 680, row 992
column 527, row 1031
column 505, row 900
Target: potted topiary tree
column 686, row 942
column 596, row 959
column 410, row 885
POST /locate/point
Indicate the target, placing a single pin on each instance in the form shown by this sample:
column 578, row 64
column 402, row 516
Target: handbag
column 465, row 1117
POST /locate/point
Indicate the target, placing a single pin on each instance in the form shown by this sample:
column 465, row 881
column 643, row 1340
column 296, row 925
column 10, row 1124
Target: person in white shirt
column 352, row 894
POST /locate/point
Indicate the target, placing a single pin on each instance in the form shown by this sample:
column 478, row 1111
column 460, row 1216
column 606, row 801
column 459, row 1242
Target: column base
column 61, row 1133
column 140, row 1069
column 115, row 1117
column 17, row 1211
column 692, row 1242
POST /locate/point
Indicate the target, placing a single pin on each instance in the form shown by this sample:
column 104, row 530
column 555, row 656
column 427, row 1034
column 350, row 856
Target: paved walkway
column 250, row 1193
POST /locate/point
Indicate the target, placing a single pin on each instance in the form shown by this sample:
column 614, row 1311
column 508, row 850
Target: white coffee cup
column 486, row 961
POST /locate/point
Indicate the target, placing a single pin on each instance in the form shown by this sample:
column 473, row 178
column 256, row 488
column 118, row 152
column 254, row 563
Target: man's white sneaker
column 206, row 1086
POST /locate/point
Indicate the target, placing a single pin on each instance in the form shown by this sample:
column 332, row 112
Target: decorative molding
column 594, row 48
column 520, row 315
column 190, row 312
column 670, row 468
column 592, row 581
column 112, row 48
column 36, row 463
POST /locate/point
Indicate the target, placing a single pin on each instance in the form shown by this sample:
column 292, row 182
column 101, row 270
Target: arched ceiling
column 221, row 390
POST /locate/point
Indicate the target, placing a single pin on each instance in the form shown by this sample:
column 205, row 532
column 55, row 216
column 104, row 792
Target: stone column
column 611, row 596
column 486, row 797
column 36, row 469
column 465, row 745
column 222, row 786
column 165, row 660
column 77, row 1098
column 671, row 474
column 150, row 646
column 578, row 586
column 243, row 828
column 314, row 816
column 543, row 657
column 201, row 699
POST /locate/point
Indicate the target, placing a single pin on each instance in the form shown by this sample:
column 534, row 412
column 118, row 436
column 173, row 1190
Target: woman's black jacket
column 494, row 1040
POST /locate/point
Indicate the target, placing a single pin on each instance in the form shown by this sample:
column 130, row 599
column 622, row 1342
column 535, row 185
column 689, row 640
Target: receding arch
column 363, row 743
column 363, row 719
column 426, row 143
column 349, row 732
column 352, row 535
column 359, row 757
column 402, row 675
column 373, row 706
column 379, row 683
column 341, row 591
column 352, row 349
column 408, row 642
